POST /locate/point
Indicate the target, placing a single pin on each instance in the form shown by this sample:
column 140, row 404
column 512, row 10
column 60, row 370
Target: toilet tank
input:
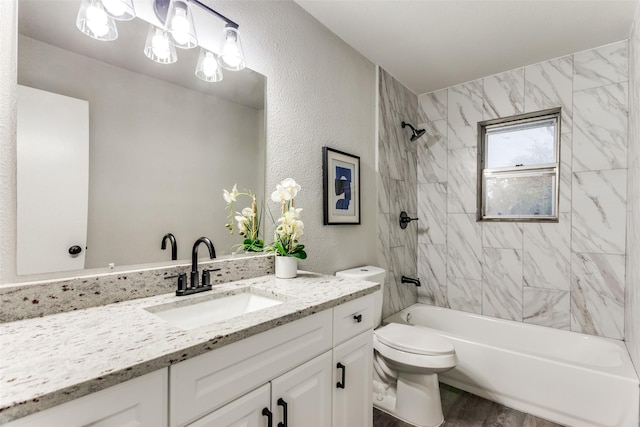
column 371, row 274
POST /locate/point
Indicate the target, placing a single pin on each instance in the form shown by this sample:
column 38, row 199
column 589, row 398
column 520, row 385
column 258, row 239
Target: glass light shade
column 158, row 48
column 180, row 26
column 232, row 56
column 208, row 68
column 94, row 21
column 121, row 10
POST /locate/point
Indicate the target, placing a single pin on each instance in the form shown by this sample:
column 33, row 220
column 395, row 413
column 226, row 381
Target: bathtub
column 565, row 377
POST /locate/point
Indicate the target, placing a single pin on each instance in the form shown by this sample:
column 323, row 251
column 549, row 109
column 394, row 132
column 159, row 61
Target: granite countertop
column 53, row 359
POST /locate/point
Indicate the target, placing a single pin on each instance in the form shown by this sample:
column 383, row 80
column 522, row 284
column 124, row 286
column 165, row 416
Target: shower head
column 416, row 133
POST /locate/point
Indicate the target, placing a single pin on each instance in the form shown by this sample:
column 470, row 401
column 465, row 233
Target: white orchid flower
column 231, row 197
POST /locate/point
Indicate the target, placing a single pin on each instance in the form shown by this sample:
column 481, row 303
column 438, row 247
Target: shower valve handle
column 405, row 219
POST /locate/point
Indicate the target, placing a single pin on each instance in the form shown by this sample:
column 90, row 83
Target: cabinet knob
column 75, row 250
column 358, row 318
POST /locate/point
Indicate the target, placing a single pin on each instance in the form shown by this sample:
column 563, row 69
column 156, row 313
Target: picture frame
column 341, row 187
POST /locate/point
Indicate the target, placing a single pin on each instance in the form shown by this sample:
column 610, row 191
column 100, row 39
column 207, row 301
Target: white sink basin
column 213, row 310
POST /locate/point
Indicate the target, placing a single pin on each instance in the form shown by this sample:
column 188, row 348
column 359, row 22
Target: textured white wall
column 319, row 92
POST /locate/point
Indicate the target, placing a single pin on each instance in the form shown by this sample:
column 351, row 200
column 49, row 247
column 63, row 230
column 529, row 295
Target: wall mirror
column 161, row 144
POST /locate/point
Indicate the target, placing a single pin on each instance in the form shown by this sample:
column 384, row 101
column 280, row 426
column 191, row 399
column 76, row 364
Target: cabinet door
column 140, row 402
column 305, row 392
column 352, row 405
column 245, row 411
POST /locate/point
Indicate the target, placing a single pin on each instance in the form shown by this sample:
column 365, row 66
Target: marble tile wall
column 632, row 286
column 397, row 190
column 567, row 275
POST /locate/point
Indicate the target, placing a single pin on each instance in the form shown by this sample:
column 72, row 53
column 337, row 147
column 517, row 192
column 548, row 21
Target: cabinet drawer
column 206, row 382
column 352, row 318
column 140, row 402
column 245, row 411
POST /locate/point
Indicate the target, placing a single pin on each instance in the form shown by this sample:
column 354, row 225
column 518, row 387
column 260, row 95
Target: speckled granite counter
column 54, row 359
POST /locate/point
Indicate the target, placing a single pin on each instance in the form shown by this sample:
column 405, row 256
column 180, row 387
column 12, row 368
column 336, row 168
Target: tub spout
column 406, row 279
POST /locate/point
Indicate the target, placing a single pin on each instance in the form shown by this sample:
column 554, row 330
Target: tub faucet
column 174, row 245
column 406, row 279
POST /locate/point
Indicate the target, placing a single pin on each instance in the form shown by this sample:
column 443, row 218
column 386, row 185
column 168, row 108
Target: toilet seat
column 413, row 349
column 414, row 340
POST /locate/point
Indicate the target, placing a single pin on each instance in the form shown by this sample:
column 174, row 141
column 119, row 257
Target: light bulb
column 97, row 21
column 114, row 7
column 160, row 47
column 209, row 65
column 230, row 53
column 180, row 27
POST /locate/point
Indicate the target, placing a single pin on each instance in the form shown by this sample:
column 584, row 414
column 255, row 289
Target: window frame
column 518, row 171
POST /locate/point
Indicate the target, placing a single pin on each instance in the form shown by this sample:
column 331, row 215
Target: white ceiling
column 433, row 44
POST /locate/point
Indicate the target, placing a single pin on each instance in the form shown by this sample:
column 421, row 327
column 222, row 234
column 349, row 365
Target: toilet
column 406, row 361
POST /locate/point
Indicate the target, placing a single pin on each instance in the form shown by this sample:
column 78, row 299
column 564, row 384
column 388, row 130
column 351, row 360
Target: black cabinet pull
column 342, row 383
column 358, row 318
column 267, row 413
column 282, row 403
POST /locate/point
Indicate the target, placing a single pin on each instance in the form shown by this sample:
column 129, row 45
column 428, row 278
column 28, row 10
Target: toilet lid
column 413, row 339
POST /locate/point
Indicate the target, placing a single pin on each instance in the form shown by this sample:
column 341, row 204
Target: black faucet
column 194, row 263
column 406, row 279
column 174, row 245
column 183, row 287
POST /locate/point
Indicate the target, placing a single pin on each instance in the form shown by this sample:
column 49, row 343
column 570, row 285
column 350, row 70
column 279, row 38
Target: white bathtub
column 565, row 377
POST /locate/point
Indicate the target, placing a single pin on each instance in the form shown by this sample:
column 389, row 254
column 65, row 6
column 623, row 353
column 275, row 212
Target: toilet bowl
column 406, row 361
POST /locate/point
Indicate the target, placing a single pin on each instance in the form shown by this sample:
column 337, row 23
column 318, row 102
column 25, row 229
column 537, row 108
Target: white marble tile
column 547, row 254
column 396, row 269
column 432, row 152
column 597, row 294
column 550, row 84
column 461, row 181
column 434, row 105
column 601, row 66
column 464, row 294
column 504, row 94
column 464, row 113
column 383, row 193
column 599, row 211
column 397, row 153
column 566, row 150
column 432, row 270
column 600, row 127
column 432, row 213
column 383, row 241
column 464, row 247
column 411, row 248
column 402, row 198
column 390, row 97
column 502, row 283
column 547, row 307
column 506, row 235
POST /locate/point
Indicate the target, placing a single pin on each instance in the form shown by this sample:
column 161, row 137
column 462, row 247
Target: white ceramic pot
column 286, row 267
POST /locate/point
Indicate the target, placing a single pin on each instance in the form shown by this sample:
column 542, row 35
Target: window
column 518, row 167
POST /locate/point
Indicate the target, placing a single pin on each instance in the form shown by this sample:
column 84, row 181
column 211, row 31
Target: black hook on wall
column 405, row 219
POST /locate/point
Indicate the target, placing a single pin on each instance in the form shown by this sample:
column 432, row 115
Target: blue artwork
column 343, row 186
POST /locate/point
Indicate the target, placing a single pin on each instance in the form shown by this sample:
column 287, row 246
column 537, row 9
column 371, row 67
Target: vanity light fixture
column 158, row 48
column 208, row 68
column 94, row 21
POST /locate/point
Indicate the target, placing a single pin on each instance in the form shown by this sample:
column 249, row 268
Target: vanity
column 305, row 360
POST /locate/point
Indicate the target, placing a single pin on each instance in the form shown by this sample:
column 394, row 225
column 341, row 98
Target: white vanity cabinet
column 296, row 363
column 140, row 402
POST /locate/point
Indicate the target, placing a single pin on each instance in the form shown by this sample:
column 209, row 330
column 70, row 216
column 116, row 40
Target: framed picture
column 341, row 187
